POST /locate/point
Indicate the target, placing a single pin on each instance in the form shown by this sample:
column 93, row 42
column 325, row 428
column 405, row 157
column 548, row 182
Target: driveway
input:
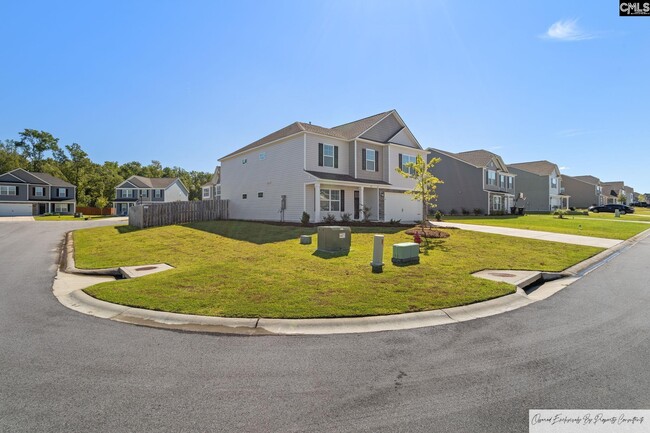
column 586, row 347
column 17, row 219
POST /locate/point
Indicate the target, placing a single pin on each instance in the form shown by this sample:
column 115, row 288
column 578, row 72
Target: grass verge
column 243, row 269
column 599, row 226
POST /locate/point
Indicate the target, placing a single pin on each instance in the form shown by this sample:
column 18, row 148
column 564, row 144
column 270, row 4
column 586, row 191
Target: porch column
column 317, row 202
column 361, row 203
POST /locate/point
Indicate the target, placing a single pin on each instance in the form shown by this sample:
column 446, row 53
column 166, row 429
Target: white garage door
column 15, row 209
column 399, row 206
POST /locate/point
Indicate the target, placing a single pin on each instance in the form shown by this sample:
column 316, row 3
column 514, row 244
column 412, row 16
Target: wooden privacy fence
column 96, row 210
column 178, row 212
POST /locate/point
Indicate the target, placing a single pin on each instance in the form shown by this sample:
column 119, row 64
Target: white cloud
column 564, row 168
column 567, row 30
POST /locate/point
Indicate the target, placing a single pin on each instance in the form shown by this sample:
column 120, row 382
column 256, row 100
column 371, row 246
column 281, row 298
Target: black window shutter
column 34, row 190
column 17, row 189
column 342, row 201
column 336, row 157
column 376, row 160
column 320, row 154
column 400, row 161
column 363, row 159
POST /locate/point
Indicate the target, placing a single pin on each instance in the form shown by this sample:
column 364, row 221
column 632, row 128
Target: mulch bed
column 427, row 232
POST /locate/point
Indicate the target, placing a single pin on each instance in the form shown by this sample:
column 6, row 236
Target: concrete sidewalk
column 534, row 234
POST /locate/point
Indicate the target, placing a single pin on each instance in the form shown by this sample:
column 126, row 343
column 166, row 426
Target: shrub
column 438, row 215
column 365, row 211
column 346, row 218
column 329, row 219
column 304, row 219
column 560, row 214
column 453, row 212
column 498, row 213
column 478, row 211
column 464, row 211
column 394, row 222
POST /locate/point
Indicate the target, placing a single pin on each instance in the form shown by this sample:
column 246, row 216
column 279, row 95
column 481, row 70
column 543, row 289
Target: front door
column 356, row 205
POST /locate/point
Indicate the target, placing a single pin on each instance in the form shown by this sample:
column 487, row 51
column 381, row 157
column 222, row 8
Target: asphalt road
column 61, row 371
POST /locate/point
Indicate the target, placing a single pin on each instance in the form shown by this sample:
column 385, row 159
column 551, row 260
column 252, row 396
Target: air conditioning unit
column 334, row 239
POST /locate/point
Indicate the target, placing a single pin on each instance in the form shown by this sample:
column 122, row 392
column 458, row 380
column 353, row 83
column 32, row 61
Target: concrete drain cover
column 502, row 274
column 141, row 271
column 146, row 268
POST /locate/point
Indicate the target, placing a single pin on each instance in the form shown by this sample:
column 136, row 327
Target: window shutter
column 342, row 201
column 363, row 159
column 33, row 190
column 336, row 157
column 400, row 162
column 17, row 189
column 376, row 160
column 320, row 154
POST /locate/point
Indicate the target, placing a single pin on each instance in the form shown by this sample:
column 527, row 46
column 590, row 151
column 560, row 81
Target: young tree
column 622, row 199
column 425, row 183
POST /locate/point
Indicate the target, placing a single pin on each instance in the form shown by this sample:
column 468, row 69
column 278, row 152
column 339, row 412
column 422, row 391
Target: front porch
column 559, row 201
column 500, row 203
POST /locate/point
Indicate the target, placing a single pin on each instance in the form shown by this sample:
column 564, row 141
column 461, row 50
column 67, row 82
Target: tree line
column 39, row 151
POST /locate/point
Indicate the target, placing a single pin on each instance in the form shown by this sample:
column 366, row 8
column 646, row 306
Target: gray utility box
column 334, row 239
column 305, row 239
column 406, row 253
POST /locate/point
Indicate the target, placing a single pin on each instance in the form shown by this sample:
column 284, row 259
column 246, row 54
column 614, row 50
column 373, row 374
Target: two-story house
column 476, row 179
column 347, row 169
column 24, row 193
column 613, row 190
column 147, row 190
column 540, row 182
column 585, row 191
column 211, row 190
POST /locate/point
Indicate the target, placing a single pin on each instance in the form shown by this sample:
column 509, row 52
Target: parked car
column 611, row 208
column 639, row 204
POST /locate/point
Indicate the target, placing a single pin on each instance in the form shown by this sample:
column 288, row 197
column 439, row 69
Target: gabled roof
column 478, row 158
column 347, row 131
column 588, row 179
column 150, row 182
column 541, row 168
column 34, row 178
column 215, row 179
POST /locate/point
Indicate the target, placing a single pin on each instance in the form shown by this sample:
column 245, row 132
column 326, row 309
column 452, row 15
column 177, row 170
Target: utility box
column 406, row 253
column 334, row 239
column 305, row 239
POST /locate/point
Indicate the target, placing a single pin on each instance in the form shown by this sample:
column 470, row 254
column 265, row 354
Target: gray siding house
column 476, row 179
column 212, row 190
column 612, row 190
column 540, row 182
column 24, row 193
column 585, row 191
column 147, row 190
column 346, row 169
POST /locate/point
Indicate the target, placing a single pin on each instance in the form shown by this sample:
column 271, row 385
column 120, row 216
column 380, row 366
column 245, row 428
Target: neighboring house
column 585, row 191
column 320, row 171
column 477, row 179
column 147, row 190
column 629, row 194
column 613, row 190
column 23, row 193
column 540, row 182
column 212, row 189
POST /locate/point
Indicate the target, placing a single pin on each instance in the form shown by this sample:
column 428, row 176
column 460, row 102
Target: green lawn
column 239, row 269
column 600, row 225
column 68, row 217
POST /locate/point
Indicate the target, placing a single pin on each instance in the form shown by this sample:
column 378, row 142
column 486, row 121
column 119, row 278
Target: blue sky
column 186, row 82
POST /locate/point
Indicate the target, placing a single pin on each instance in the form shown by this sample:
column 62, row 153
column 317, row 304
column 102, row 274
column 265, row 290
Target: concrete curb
column 67, row 261
column 68, row 288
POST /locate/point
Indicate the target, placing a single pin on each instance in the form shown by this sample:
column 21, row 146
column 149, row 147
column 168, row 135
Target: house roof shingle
column 151, row 182
column 541, row 168
column 478, row 158
column 36, row 178
column 588, row 179
column 54, row 181
column 347, row 131
column 344, row 178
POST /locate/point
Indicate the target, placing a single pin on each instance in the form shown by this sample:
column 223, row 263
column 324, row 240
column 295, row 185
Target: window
column 405, row 159
column 260, row 195
column 244, row 196
column 328, row 155
column 39, row 191
column 60, row 207
column 369, row 160
column 496, row 202
column 262, row 156
column 8, row 190
column 330, row 200
column 510, row 184
column 158, row 193
column 127, row 193
column 62, row 192
column 554, row 182
column 206, row 192
column 491, row 177
column 144, row 193
column 502, row 181
column 218, row 191
column 244, row 161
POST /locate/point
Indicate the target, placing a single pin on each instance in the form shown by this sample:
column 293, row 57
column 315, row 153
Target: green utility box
column 334, row 239
column 406, row 253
